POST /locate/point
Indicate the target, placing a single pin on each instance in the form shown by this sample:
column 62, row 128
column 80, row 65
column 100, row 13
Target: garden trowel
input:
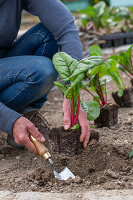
column 43, row 152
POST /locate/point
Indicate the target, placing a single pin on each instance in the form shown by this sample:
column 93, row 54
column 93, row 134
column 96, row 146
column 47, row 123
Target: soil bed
column 103, row 165
column 99, row 165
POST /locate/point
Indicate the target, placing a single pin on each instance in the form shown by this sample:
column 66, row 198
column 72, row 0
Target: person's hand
column 21, row 130
column 85, row 128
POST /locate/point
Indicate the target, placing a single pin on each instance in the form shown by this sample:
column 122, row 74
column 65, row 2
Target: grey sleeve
column 59, row 21
column 7, row 118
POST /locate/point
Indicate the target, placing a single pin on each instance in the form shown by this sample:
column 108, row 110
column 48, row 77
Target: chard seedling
column 125, row 61
column 73, row 72
column 99, row 76
column 107, row 19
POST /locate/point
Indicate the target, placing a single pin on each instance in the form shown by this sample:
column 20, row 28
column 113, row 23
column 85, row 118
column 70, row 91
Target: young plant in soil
column 106, row 20
column 67, row 67
column 125, row 64
column 97, row 78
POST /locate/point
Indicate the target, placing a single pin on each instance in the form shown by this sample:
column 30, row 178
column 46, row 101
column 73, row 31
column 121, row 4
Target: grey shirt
column 57, row 19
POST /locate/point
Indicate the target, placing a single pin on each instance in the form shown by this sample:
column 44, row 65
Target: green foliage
column 105, row 17
column 99, row 14
column 86, row 64
column 73, row 71
column 108, row 70
column 124, row 61
column 99, row 76
column 75, row 127
column 95, row 50
column 92, row 109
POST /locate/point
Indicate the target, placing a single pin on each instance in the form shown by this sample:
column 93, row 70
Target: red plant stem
column 105, row 92
column 127, row 69
column 72, row 109
column 101, row 90
column 93, row 96
column 77, row 114
column 100, row 97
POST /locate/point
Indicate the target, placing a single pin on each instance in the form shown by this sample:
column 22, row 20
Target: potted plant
column 67, row 142
column 97, row 78
column 125, row 64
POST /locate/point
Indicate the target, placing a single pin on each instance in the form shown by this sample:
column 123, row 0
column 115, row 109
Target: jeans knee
column 43, row 72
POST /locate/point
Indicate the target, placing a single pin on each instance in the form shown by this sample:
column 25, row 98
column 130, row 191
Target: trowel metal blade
column 66, row 174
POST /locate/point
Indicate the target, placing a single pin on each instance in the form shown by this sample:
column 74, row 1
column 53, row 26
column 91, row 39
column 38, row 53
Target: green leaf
column 86, row 64
column 75, row 81
column 64, row 64
column 114, row 73
column 61, row 86
column 131, row 154
column 95, row 51
column 120, row 93
column 84, row 84
column 92, row 109
column 122, row 12
column 90, row 11
column 100, row 7
column 75, row 127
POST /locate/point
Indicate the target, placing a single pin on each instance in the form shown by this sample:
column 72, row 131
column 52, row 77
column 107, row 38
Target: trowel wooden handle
column 39, row 146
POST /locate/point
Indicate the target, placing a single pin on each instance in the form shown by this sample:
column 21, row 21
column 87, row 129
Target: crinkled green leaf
column 95, row 50
column 90, row 11
column 74, row 83
column 100, row 7
column 101, row 70
column 75, row 127
column 124, row 61
column 114, row 73
column 122, row 12
column 61, row 86
column 86, row 64
column 64, row 64
column 120, row 93
column 84, row 84
column 92, row 109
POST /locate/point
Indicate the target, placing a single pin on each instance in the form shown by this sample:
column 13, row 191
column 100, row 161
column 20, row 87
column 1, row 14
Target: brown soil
column 104, row 164
column 126, row 100
column 67, row 142
column 108, row 116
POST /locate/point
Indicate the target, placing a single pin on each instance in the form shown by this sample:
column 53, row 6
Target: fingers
column 67, row 113
column 21, row 130
column 27, row 143
column 85, row 129
column 34, row 131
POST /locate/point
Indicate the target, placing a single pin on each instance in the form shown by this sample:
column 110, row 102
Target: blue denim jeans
column 27, row 72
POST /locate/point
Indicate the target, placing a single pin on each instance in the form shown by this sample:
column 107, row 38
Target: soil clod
column 108, row 116
column 126, row 100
